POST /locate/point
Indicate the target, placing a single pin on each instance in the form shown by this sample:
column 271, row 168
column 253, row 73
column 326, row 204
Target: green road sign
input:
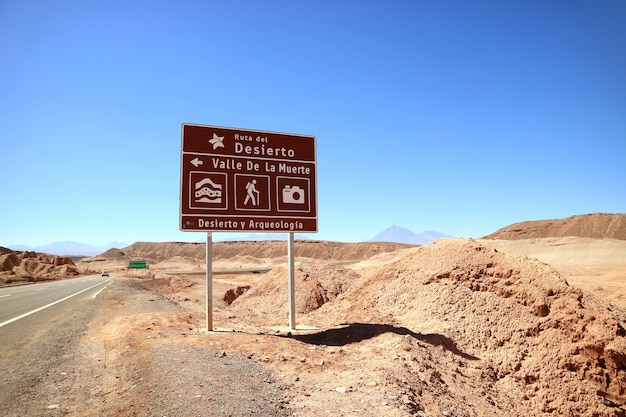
column 137, row 265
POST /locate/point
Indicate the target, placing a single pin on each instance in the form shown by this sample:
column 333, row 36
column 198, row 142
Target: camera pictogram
column 293, row 194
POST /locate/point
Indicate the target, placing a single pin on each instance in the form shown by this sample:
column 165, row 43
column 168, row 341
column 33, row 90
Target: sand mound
column 167, row 284
column 596, row 225
column 514, row 337
column 267, row 302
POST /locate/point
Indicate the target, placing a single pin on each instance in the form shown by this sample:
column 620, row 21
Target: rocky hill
column 16, row 266
column 595, row 225
column 316, row 249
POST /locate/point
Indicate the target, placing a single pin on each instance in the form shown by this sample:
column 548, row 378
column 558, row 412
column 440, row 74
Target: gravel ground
column 98, row 367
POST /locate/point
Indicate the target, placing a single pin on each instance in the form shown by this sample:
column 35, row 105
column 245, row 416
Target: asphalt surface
column 20, row 301
column 40, row 325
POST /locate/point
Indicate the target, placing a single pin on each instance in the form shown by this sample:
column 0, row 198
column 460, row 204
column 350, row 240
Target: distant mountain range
column 395, row 233
column 399, row 234
column 68, row 248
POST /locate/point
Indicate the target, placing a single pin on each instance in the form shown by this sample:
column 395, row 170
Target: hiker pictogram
column 252, row 192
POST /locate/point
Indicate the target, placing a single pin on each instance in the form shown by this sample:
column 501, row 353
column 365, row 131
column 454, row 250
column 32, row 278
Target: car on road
column 105, row 273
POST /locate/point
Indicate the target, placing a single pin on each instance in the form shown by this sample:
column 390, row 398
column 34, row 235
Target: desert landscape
column 528, row 321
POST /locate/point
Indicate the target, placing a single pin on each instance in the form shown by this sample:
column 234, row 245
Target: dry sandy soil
column 597, row 266
column 459, row 327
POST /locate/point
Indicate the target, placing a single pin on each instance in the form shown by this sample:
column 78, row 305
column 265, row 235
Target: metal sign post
column 209, row 281
column 292, row 283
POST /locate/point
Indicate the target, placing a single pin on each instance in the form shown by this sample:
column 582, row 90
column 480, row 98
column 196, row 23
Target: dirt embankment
column 589, row 250
column 250, row 255
column 595, row 225
column 315, row 249
column 17, row 267
column 455, row 327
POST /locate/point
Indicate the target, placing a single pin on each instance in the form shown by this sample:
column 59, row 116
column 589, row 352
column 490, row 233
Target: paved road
column 19, row 302
column 40, row 326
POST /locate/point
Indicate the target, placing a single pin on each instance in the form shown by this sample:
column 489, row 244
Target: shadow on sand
column 357, row 332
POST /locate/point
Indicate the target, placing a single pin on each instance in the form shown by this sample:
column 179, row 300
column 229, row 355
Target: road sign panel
column 137, row 264
column 247, row 180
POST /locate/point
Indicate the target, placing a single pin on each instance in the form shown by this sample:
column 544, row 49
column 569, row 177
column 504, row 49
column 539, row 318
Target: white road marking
column 46, row 306
column 103, row 288
column 6, row 295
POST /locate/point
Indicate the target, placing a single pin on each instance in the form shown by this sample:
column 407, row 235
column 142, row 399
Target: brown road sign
column 235, row 180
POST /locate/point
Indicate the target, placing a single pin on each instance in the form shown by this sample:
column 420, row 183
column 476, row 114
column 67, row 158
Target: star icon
column 217, row 141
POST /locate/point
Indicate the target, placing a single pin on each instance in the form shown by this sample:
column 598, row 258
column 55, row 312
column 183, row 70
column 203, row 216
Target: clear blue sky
column 456, row 116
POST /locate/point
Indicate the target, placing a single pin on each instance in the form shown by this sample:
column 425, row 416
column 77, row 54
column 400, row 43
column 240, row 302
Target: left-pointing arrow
column 196, row 162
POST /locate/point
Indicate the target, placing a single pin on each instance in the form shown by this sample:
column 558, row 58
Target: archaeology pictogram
column 208, row 190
